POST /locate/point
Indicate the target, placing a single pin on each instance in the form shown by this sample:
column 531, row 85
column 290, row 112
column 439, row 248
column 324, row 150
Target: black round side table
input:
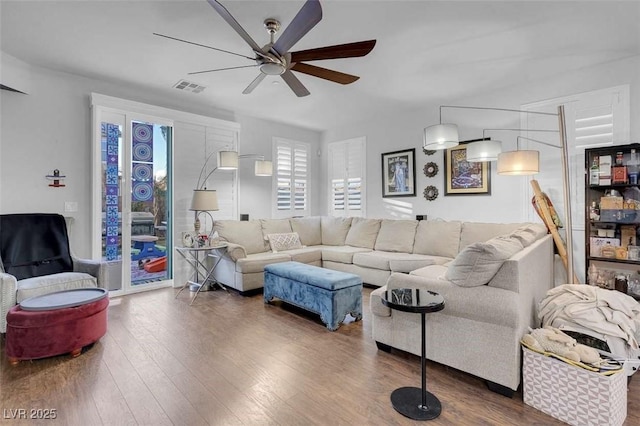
column 412, row 402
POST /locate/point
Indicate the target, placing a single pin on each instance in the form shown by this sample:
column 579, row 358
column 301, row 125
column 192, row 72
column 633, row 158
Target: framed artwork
column 399, row 173
column 462, row 177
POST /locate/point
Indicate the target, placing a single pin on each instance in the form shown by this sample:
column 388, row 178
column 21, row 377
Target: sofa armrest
column 8, row 289
column 236, row 251
column 104, row 271
column 375, row 303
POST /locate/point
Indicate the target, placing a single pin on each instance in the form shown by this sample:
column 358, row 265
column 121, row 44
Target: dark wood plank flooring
column 231, row 360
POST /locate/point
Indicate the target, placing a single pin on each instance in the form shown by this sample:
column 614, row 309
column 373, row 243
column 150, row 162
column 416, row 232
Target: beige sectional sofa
column 491, row 276
column 371, row 248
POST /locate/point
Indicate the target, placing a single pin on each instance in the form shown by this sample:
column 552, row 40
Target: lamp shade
column 227, row 160
column 204, row 200
column 441, row 136
column 263, row 168
column 518, row 163
column 483, row 151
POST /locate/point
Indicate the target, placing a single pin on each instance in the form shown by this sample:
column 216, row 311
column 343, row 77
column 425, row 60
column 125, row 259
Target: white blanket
column 608, row 312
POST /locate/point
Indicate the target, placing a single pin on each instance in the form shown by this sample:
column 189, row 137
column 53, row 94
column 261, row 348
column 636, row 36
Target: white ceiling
column 427, row 52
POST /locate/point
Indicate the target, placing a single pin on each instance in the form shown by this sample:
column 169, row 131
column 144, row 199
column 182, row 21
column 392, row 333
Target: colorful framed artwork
column 399, row 173
column 462, row 177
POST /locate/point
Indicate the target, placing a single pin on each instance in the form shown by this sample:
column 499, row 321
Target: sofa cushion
column 341, row 254
column 438, row 238
column 45, row 284
column 246, row 233
column 434, row 272
column 363, row 232
column 529, row 233
column 275, row 226
column 306, row 255
column 309, row 230
column 335, row 230
column 407, row 265
column 284, row 241
column 382, row 259
column 477, row 232
column 256, row 262
column 396, row 235
column 478, row 263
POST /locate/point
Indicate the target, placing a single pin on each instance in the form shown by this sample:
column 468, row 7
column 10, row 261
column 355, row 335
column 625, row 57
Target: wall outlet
column 70, row 206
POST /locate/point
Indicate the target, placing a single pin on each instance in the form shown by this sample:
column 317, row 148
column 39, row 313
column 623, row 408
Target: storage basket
column 572, row 394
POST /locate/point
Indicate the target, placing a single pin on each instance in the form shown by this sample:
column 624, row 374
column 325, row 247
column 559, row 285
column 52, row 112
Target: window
column 346, row 177
column 291, row 181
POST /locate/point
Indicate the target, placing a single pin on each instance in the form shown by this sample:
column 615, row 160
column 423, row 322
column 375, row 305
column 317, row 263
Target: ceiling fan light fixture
column 271, row 68
column 441, row 136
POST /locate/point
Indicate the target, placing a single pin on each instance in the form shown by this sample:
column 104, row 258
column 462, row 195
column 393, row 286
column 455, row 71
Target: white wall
column 507, row 203
column 15, row 74
column 510, row 199
column 256, row 138
column 51, row 128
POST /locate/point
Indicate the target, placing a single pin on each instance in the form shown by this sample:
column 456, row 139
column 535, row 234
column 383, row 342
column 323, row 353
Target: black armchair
column 35, row 259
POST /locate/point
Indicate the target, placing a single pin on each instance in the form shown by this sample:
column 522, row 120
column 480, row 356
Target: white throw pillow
column 477, row 263
column 284, row 241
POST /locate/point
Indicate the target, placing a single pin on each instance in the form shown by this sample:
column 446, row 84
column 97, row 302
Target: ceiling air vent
column 189, row 86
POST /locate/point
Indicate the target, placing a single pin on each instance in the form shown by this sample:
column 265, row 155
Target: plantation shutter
column 346, row 177
column 283, row 167
column 292, row 178
column 337, row 186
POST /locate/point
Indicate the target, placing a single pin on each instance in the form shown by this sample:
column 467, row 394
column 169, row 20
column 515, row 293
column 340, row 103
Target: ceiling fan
column 275, row 59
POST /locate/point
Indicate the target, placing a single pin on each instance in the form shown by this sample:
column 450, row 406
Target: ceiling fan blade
column 348, row 50
column 335, row 76
column 223, row 69
column 295, row 84
column 202, row 45
column 308, row 16
column 254, row 84
column 222, row 11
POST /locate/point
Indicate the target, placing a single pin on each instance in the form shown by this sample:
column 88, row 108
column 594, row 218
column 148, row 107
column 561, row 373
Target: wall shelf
column 57, row 178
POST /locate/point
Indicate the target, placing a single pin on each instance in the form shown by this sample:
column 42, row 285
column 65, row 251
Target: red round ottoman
column 56, row 323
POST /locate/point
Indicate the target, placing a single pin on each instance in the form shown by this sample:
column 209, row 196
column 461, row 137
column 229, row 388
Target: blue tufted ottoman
column 332, row 294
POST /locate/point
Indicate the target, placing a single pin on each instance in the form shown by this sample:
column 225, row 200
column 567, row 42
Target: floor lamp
column 205, row 200
column 444, row 136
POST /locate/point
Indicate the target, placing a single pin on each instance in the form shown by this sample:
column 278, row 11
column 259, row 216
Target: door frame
column 182, row 219
column 99, row 115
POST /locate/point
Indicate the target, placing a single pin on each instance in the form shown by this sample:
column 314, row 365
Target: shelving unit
column 614, row 224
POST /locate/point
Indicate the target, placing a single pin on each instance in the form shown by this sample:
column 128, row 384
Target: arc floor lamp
column 205, row 200
column 520, row 162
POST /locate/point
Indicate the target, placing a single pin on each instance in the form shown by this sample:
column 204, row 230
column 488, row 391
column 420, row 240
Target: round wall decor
column 430, row 193
column 430, row 169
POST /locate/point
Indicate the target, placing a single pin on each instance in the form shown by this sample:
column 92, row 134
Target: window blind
column 291, row 178
column 346, row 177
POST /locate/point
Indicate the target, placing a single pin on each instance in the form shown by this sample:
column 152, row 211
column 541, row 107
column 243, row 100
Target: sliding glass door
column 135, row 201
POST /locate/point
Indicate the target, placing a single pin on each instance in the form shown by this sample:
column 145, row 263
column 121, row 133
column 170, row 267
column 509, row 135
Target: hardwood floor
column 231, row 360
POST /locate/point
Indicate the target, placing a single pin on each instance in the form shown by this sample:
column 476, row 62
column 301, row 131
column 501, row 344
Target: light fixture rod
column 256, row 156
column 518, row 130
column 493, row 109
column 567, row 193
column 202, row 170
column 534, row 140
